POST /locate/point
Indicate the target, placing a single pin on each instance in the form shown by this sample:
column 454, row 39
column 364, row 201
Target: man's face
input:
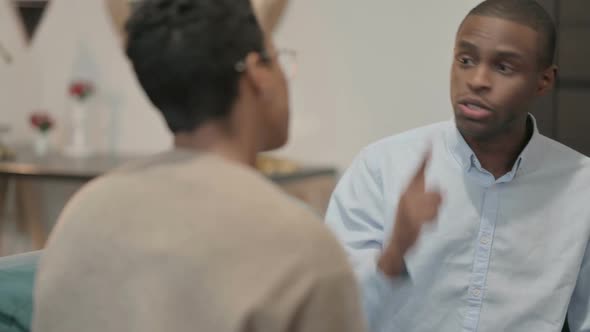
column 495, row 75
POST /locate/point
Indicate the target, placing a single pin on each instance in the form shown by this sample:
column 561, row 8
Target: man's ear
column 547, row 80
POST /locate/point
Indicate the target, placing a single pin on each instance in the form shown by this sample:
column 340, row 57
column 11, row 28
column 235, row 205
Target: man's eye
column 465, row 60
column 504, row 68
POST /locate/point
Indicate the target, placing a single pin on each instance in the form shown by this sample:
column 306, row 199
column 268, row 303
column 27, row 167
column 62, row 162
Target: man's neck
column 497, row 155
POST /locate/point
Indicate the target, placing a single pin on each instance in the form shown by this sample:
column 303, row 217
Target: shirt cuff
column 383, row 296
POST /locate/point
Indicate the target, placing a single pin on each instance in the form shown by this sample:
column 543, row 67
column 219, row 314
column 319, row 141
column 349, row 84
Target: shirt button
column 476, row 292
column 484, row 240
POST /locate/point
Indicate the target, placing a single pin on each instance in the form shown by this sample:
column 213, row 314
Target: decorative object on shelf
column 5, row 152
column 269, row 165
column 119, row 11
column 80, row 91
column 269, row 13
column 43, row 123
column 31, row 13
column 4, row 54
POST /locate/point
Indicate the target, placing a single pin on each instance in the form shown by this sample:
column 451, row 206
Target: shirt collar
column 467, row 159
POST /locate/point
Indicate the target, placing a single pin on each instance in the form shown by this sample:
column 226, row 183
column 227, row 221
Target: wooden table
column 25, row 171
column 310, row 184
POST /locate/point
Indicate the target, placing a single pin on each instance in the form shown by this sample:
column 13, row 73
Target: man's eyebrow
column 463, row 44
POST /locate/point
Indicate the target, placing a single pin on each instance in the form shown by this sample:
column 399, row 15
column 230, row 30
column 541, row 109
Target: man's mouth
column 474, row 110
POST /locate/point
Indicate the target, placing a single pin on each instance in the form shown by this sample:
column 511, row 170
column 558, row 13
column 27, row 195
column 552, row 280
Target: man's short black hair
column 184, row 53
column 526, row 12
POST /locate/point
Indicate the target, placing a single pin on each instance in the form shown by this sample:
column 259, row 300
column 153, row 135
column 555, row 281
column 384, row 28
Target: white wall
column 78, row 39
column 367, row 69
column 16, row 92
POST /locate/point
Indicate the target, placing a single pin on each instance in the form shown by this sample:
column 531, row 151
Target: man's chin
column 473, row 129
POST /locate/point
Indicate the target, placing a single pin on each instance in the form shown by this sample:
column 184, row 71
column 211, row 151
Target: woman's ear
column 255, row 72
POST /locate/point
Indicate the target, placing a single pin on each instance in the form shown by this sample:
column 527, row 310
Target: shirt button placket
column 482, row 259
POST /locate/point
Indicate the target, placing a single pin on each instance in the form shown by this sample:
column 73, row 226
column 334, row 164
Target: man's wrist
column 391, row 262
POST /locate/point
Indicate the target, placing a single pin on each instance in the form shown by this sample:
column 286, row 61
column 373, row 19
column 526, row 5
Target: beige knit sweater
column 192, row 242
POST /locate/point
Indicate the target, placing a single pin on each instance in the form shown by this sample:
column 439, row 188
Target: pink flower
column 42, row 121
column 81, row 89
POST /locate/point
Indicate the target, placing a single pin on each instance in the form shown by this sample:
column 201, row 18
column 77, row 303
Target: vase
column 41, row 144
column 78, row 146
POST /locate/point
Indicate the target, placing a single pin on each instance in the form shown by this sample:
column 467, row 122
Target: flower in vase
column 81, row 89
column 41, row 121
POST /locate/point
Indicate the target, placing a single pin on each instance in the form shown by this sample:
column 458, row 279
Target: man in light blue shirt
column 490, row 231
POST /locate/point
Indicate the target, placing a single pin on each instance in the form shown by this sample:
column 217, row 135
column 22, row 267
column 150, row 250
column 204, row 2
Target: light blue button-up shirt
column 509, row 254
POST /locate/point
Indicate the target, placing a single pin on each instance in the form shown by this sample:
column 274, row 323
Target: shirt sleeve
column 579, row 309
column 356, row 216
